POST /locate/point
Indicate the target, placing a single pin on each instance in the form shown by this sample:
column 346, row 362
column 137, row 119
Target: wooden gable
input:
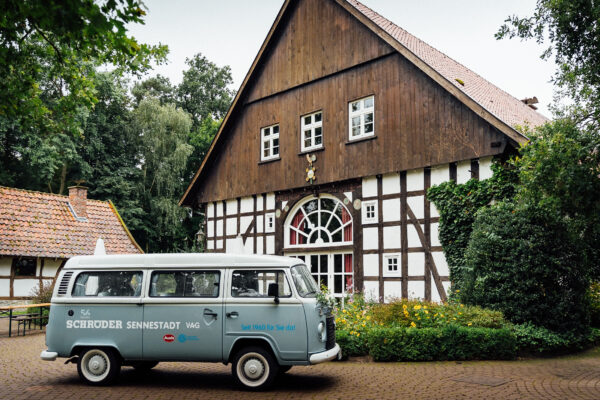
column 320, row 56
column 316, row 39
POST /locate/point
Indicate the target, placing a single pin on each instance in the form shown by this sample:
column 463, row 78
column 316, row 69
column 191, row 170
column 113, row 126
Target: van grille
column 64, row 283
column 330, row 344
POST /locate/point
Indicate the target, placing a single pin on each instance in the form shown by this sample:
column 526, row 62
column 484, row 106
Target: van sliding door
column 183, row 316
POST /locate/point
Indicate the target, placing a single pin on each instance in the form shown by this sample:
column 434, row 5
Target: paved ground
column 24, row 376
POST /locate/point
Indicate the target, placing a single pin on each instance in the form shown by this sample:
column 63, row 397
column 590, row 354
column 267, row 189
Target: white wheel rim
column 253, row 369
column 95, row 365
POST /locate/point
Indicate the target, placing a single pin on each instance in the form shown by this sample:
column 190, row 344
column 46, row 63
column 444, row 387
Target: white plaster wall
column 5, row 265
column 485, row 168
column 417, row 205
column 23, row 287
column 232, row 208
column 435, row 295
column 38, row 266
column 371, row 290
column 370, row 239
column 219, row 209
column 435, row 232
column 416, row 264
column 259, row 203
column 210, row 210
column 246, row 204
column 220, row 227
column 51, row 266
column 433, row 211
column 369, row 187
column 210, row 229
column 259, row 223
column 416, row 289
column 245, row 223
column 392, row 291
column 440, row 262
column 233, row 246
column 463, row 171
column 270, row 248
column 249, row 245
column 371, row 264
column 231, row 226
column 391, row 237
column 415, row 180
column 440, row 174
column 4, row 287
column 391, row 210
column 413, row 237
column 219, row 244
column 210, row 244
column 270, row 201
column 390, row 183
column 259, row 245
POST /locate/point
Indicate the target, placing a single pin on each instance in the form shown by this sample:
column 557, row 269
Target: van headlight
column 322, row 331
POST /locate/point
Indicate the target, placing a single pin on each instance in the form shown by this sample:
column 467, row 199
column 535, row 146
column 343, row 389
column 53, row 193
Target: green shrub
column 448, row 343
column 41, row 294
column 594, row 295
column 533, row 339
column 522, row 262
column 351, row 345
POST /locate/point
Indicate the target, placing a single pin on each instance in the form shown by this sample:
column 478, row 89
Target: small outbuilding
column 40, row 231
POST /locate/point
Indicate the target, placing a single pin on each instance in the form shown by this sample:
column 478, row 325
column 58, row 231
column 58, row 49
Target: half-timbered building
column 40, row 231
column 341, row 125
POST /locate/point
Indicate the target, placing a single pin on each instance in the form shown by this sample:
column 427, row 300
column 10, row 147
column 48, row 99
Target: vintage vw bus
column 258, row 313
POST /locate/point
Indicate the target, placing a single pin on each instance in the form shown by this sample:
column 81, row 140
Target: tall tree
column 572, row 30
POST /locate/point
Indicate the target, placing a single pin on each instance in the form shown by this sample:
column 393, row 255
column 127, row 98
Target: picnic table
column 23, row 319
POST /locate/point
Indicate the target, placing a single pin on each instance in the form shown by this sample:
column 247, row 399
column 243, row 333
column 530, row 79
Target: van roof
column 130, row 261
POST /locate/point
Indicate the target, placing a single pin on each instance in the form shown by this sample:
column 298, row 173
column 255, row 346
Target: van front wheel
column 98, row 366
column 254, row 368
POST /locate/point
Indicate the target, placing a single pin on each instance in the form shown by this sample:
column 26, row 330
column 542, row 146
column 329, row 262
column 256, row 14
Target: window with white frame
column 392, row 265
column 369, row 212
column 312, row 131
column 269, row 222
column 362, row 117
column 269, row 139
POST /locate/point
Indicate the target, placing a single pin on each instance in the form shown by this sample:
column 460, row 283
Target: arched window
column 322, row 221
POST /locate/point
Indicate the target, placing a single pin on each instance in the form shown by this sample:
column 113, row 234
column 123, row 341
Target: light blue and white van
column 258, row 313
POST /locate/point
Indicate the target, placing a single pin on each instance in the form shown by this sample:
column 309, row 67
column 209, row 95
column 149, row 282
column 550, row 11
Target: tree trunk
column 63, row 179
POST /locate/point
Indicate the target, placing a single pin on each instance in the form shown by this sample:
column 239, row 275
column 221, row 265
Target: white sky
column 230, row 32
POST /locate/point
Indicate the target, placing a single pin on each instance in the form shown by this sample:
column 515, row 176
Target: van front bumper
column 48, row 355
column 328, row 355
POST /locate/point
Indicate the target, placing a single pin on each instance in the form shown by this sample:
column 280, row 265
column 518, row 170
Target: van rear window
column 108, row 283
column 185, row 284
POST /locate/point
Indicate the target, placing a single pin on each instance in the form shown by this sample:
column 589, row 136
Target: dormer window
column 269, row 139
column 312, row 131
column 362, row 118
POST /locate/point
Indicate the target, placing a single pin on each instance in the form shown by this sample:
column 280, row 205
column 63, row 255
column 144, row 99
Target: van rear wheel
column 98, row 366
column 254, row 368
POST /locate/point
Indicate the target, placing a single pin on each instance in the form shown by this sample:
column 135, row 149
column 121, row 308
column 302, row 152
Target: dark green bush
column 523, row 262
column 533, row 339
column 448, row 343
column 351, row 345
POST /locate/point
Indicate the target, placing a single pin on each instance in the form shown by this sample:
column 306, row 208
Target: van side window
column 185, row 284
column 108, row 283
column 253, row 283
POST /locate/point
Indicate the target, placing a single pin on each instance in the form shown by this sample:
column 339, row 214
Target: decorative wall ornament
column 357, row 204
column 310, row 170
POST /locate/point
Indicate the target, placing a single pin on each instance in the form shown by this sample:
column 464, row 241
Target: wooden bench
column 24, row 320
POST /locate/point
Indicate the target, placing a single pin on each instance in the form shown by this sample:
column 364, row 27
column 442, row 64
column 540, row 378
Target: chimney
column 531, row 101
column 78, row 200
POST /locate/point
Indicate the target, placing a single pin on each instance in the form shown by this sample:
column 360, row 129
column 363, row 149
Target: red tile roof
column 39, row 224
column 505, row 107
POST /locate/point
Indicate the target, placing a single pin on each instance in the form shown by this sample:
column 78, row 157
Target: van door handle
column 210, row 313
column 233, row 314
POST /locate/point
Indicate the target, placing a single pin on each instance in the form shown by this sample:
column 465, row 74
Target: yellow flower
column 358, row 334
column 344, row 311
column 404, row 306
column 459, row 313
column 385, row 340
column 417, row 307
column 442, row 315
column 413, row 324
column 425, row 307
column 454, row 318
column 469, row 324
column 368, row 317
column 426, row 312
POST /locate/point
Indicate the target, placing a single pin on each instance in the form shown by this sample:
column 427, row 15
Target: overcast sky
column 230, row 32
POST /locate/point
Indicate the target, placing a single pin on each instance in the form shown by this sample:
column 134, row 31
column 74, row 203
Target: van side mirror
column 273, row 291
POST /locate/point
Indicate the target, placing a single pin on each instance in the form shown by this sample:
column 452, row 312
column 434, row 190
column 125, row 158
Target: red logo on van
column 169, row 338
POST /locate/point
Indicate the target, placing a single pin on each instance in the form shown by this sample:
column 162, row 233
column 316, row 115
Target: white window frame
column 268, row 140
column 386, row 265
column 360, row 113
column 269, row 222
column 311, row 127
column 365, row 217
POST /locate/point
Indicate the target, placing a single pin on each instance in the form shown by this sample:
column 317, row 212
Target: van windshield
column 305, row 283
